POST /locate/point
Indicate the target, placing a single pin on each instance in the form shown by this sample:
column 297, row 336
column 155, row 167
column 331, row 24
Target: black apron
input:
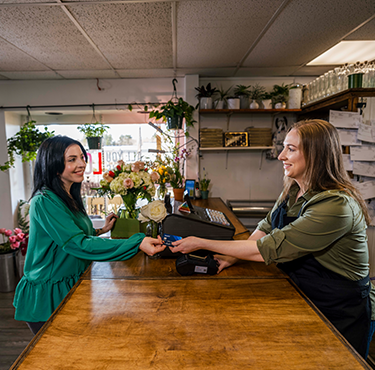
column 345, row 303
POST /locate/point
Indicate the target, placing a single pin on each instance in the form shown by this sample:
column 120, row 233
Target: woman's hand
column 224, row 261
column 187, row 245
column 152, row 246
column 109, row 222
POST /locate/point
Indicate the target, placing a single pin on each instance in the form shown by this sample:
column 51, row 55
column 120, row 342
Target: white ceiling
column 87, row 39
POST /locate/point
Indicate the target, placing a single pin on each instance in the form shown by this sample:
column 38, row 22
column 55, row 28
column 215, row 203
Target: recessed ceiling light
column 346, row 52
column 54, row 113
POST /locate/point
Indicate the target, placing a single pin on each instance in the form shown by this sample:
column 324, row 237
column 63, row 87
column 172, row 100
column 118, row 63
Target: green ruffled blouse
column 61, row 246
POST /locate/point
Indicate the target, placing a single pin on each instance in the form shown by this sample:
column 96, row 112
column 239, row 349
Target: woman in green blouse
column 62, row 240
column 316, row 233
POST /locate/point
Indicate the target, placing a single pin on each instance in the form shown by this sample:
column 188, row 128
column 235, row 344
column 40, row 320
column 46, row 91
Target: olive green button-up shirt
column 331, row 227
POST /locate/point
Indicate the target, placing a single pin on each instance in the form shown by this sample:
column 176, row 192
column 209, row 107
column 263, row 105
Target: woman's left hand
column 109, row 222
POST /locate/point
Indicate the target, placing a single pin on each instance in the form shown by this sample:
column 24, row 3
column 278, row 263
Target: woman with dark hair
column 316, row 233
column 62, row 240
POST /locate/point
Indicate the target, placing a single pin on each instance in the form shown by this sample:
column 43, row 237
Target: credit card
column 168, row 239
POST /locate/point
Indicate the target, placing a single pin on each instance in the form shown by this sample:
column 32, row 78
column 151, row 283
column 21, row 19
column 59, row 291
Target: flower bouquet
column 11, row 242
column 131, row 181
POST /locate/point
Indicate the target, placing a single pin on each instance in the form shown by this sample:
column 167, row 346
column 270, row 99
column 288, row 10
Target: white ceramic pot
column 205, row 103
column 267, row 104
column 295, row 97
column 233, row 103
column 280, row 105
column 219, row 104
column 254, row 105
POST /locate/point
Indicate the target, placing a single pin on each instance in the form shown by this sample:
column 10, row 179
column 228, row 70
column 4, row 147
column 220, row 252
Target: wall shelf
column 247, row 111
column 237, row 148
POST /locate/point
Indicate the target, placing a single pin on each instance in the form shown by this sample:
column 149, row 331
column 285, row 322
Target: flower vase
column 179, row 194
column 152, row 229
column 8, row 271
column 127, row 224
column 204, row 194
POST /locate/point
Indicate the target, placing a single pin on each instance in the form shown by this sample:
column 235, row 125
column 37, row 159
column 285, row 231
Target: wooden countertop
column 188, row 324
column 140, row 314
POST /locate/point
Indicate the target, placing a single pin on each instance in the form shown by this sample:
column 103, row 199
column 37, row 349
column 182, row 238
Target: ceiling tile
column 48, row 35
column 146, row 73
column 265, row 71
column 30, row 75
column 305, row 29
column 87, row 74
column 366, row 32
column 218, row 33
column 13, row 59
column 134, row 36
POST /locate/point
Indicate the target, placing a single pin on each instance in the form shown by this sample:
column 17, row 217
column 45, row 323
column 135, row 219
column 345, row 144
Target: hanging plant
column 25, row 143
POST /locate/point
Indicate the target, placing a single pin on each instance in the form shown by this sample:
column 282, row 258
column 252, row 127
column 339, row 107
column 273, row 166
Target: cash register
column 184, row 219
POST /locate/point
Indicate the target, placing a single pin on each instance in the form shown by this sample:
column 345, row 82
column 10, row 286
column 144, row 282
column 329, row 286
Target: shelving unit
column 229, row 112
column 347, row 98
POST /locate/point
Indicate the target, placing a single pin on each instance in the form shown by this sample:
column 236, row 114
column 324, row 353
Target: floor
column 15, row 335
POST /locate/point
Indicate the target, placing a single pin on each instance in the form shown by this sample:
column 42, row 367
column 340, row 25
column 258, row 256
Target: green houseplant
column 256, row 93
column 280, row 94
column 25, row 143
column 243, row 93
column 222, row 100
column 173, row 113
column 205, row 95
column 203, row 184
column 94, row 133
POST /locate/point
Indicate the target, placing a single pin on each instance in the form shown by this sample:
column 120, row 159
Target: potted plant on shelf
column 205, row 96
column 243, row 93
column 94, row 134
column 266, row 100
column 256, row 93
column 222, row 100
column 203, row 184
column 173, row 113
column 280, row 94
column 25, row 143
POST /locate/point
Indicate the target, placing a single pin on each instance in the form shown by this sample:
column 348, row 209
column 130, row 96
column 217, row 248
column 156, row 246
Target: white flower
column 154, row 211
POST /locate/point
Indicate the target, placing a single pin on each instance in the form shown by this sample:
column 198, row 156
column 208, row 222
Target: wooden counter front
column 188, row 324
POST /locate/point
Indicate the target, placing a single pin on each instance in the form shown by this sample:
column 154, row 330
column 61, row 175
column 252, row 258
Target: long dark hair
column 325, row 170
column 50, row 163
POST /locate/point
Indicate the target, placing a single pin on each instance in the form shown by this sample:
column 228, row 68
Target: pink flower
column 141, row 165
column 15, row 245
column 2, row 231
column 128, row 183
column 120, row 163
column 154, row 176
column 13, row 239
column 135, row 167
column 17, row 230
column 8, row 232
column 20, row 236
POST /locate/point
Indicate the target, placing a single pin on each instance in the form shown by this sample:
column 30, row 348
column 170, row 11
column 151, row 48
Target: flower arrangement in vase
column 11, row 242
column 132, row 182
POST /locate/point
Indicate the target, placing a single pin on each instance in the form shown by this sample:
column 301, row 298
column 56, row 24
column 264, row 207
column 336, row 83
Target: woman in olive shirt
column 316, row 233
column 62, row 240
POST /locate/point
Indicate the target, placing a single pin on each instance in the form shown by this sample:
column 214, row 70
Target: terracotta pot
column 179, row 194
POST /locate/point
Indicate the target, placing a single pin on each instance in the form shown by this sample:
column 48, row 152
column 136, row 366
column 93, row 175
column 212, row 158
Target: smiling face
column 293, row 158
column 75, row 166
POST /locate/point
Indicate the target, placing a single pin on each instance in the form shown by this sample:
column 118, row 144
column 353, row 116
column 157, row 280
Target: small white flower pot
column 233, row 103
column 254, row 105
column 280, row 105
column 267, row 104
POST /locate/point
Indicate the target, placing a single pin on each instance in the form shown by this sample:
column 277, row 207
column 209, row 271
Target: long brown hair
column 320, row 144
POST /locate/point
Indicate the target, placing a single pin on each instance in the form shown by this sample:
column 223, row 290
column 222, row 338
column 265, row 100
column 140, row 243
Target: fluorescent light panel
column 346, row 52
